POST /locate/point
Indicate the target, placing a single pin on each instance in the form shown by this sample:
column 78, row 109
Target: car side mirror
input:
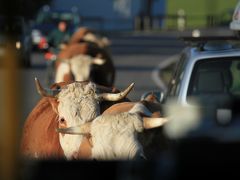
column 155, row 96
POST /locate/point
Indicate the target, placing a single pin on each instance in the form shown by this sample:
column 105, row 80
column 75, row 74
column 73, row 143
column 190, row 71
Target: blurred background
column 143, row 34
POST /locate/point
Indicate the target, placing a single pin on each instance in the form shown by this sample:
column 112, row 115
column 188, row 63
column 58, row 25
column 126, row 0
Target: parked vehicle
column 20, row 38
column 207, row 76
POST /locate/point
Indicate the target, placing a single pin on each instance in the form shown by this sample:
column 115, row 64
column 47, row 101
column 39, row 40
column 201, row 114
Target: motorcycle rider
column 57, row 40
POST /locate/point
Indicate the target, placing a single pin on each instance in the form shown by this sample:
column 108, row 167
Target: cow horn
column 117, row 96
column 45, row 92
column 81, row 129
column 149, row 123
column 98, row 61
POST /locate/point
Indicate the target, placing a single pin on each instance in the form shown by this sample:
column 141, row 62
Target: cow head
column 77, row 68
column 76, row 104
column 87, row 35
column 114, row 136
column 100, row 41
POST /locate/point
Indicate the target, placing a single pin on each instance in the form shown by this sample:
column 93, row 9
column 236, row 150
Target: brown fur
column 38, row 129
column 78, row 35
column 155, row 108
column 119, row 108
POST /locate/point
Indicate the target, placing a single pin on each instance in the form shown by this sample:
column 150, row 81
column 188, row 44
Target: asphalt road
column 135, row 56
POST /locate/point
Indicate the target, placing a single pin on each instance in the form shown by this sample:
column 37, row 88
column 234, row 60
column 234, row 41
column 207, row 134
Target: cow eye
column 61, row 120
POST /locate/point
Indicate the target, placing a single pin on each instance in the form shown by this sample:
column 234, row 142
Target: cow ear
column 54, row 104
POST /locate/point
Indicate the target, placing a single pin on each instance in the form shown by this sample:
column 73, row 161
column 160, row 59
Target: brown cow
column 63, row 106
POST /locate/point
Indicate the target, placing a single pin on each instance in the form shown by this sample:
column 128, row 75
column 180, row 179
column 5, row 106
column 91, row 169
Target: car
column 20, row 37
column 235, row 23
column 46, row 20
column 207, row 76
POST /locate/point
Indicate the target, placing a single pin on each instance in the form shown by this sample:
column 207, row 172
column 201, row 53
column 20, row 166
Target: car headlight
column 18, row 45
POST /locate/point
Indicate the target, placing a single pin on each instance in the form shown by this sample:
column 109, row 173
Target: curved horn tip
column 129, row 88
column 132, row 84
column 150, row 123
column 42, row 91
column 38, row 85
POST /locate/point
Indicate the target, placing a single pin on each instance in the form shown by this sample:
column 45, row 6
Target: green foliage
column 198, row 10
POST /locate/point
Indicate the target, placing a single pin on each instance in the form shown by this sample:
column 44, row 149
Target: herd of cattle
column 83, row 116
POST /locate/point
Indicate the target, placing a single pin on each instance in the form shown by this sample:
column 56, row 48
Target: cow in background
column 84, row 34
column 62, row 106
column 100, row 71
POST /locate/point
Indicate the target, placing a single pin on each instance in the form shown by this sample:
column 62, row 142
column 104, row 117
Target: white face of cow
column 78, row 103
column 79, row 66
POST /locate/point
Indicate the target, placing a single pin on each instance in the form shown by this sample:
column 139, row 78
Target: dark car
column 19, row 39
column 47, row 20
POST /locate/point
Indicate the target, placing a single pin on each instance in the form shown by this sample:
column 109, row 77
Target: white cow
column 114, row 136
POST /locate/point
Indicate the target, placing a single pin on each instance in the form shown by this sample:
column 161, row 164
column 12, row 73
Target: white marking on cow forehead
column 77, row 89
column 77, row 105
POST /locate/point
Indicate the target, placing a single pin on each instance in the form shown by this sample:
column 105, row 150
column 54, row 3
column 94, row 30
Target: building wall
column 108, row 14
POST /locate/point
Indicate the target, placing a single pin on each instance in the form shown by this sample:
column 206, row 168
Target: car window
column 175, row 82
column 215, row 81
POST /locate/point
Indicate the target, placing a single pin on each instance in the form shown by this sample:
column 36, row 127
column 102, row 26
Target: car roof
column 211, row 47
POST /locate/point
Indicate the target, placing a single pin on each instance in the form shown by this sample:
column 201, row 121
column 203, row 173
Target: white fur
column 77, row 104
column 63, row 68
column 115, row 136
column 79, row 65
column 101, row 41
